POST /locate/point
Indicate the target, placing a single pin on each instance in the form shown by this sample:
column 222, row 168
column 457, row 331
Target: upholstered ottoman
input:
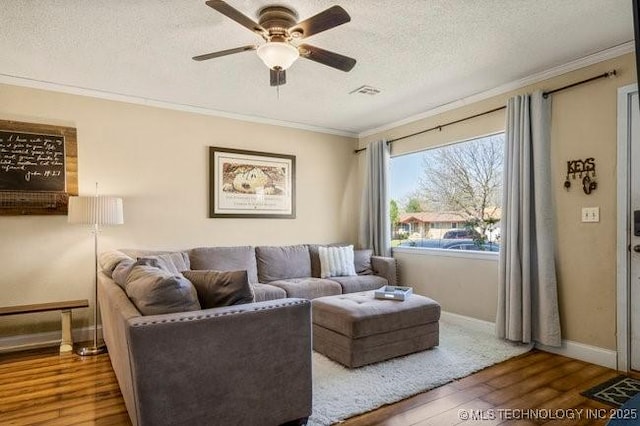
column 357, row 329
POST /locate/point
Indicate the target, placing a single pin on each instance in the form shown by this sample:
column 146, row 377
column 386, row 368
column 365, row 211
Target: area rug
column 340, row 393
column 614, row 392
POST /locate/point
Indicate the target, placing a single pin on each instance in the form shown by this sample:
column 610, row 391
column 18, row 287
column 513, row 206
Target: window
column 449, row 197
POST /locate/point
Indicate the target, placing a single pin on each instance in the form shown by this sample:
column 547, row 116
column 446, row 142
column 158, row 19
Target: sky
column 404, row 176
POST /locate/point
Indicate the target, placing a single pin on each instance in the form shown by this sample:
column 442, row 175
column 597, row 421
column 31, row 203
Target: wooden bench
column 66, row 344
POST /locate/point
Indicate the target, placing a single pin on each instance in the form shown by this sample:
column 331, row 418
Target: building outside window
column 449, row 197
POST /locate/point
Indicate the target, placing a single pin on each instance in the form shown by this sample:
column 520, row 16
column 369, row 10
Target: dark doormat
column 614, row 392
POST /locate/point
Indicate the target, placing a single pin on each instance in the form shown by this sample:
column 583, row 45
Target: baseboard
column 593, row 354
column 24, row 342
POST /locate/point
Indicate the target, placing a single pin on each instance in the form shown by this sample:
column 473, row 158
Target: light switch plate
column 591, row 214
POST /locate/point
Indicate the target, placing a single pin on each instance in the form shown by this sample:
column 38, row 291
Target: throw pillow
column 362, row 261
column 109, row 260
column 336, row 261
column 121, row 272
column 221, row 288
column 155, row 291
column 315, row 257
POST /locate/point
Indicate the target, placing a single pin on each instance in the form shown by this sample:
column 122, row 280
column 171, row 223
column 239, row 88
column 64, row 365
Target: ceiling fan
column 278, row 26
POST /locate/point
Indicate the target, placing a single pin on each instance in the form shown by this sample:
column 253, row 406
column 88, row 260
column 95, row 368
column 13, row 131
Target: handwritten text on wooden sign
column 31, row 162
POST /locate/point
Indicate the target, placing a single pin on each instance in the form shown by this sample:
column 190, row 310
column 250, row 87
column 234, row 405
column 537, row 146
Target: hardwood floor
column 536, row 380
column 45, row 388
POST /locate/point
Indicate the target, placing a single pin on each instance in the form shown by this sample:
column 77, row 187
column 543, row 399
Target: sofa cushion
column 314, row 259
column 336, row 261
column 362, row 261
column 281, row 263
column 155, row 291
column 138, row 253
column 264, row 292
column 360, row 283
column 173, row 262
column 220, row 288
column 242, row 258
column 308, row 288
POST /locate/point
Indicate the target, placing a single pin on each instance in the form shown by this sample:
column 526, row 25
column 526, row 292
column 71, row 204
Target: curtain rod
column 607, row 74
column 544, row 94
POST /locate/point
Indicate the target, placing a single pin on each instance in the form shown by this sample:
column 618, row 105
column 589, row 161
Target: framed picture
column 251, row 184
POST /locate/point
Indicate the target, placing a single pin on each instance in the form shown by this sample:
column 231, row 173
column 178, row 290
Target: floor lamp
column 96, row 211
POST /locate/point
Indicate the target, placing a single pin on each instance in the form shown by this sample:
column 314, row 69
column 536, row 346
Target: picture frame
column 251, row 184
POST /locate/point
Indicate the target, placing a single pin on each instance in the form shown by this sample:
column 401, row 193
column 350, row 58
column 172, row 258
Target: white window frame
column 461, row 254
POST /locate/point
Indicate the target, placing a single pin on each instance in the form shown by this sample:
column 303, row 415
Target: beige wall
column 583, row 125
column 157, row 160
column 463, row 285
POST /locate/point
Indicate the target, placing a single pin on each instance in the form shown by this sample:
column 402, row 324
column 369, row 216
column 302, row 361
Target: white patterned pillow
column 336, row 261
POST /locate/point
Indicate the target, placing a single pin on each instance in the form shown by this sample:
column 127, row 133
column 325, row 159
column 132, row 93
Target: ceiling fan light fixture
column 276, row 54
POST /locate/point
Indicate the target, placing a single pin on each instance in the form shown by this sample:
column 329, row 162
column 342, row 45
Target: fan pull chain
column 278, row 73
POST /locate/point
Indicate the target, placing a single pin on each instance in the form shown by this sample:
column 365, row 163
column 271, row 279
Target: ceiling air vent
column 365, row 90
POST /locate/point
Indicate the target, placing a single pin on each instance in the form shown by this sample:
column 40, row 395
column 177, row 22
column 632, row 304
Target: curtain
column 375, row 221
column 527, row 287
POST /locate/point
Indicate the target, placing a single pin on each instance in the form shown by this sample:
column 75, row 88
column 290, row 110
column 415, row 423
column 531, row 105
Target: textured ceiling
column 421, row 54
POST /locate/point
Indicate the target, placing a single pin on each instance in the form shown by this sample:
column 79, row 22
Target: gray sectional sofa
column 244, row 364
column 276, row 272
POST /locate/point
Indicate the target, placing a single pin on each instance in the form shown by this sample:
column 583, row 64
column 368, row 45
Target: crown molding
column 119, row 97
column 603, row 55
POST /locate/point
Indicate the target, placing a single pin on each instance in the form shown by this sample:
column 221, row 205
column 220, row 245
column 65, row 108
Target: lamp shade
column 277, row 54
column 95, row 210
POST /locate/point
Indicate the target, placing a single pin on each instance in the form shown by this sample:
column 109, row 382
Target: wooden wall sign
column 578, row 168
column 38, row 168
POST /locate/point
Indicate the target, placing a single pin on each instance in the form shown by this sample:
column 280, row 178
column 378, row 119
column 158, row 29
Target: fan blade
column 224, row 53
column 236, row 15
column 323, row 21
column 278, row 77
column 325, row 57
